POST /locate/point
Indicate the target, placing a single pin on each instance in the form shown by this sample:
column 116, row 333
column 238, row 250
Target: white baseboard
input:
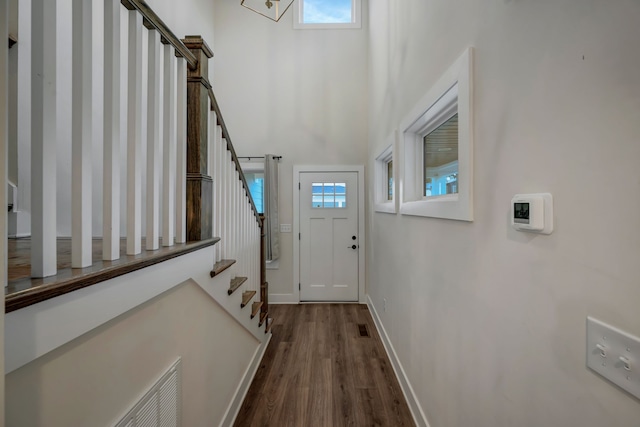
column 418, row 414
column 19, row 235
column 283, row 299
column 241, row 392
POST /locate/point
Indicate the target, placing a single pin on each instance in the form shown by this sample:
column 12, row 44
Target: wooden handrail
column 225, row 134
column 153, row 21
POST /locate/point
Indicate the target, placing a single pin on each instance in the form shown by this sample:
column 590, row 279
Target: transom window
column 327, row 14
column 329, row 195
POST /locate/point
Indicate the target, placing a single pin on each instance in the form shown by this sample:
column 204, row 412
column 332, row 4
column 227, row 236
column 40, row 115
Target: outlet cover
column 285, row 228
column 614, row 354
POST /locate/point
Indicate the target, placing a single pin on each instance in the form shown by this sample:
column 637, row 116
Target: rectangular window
column 436, row 137
column 255, row 181
column 390, row 180
column 327, row 14
column 385, row 198
column 441, row 159
column 329, row 195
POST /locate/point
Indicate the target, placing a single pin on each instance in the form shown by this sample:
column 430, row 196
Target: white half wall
column 95, row 379
column 489, row 323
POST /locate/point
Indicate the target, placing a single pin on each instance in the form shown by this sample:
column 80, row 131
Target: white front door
column 329, row 241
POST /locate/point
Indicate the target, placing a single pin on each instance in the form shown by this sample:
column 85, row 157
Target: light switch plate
column 614, row 354
column 285, row 228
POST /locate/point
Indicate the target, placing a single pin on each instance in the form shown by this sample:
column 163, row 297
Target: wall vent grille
column 160, row 406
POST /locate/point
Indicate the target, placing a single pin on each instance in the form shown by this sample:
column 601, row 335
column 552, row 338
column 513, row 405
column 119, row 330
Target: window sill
column 389, row 207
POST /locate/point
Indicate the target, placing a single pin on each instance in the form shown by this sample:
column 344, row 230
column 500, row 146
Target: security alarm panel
column 532, row 213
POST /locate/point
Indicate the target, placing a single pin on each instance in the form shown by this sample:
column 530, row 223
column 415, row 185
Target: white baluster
column 211, row 150
column 154, row 137
column 236, row 213
column 169, row 158
column 43, row 138
column 4, row 135
column 111, row 148
column 219, row 188
column 181, row 153
column 81, row 134
column 225, row 201
column 134, row 135
column 216, row 185
column 231, row 217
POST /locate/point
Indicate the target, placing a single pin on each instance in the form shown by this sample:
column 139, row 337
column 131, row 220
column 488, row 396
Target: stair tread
column 255, row 307
column 236, row 282
column 12, row 40
column 221, row 266
column 246, row 297
column 263, row 316
column 269, row 324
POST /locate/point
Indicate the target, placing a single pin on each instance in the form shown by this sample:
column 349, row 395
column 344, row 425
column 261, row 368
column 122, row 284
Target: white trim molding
column 452, row 93
column 418, row 414
column 297, row 169
column 233, row 409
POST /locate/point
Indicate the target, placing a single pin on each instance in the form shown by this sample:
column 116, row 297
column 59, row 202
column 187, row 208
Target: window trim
column 382, row 203
column 299, row 24
column 453, row 91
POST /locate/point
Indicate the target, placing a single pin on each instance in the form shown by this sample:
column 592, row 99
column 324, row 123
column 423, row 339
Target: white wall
column 489, row 323
column 301, row 94
column 95, row 379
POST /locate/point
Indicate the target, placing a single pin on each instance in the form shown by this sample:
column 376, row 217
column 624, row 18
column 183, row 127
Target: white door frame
column 297, row 169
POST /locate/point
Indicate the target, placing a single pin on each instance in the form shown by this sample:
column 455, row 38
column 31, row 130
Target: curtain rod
column 258, row 157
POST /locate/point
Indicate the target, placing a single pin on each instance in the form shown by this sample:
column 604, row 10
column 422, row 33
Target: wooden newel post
column 199, row 182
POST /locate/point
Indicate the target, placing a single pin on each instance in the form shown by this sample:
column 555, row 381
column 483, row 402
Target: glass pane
column 441, row 159
column 316, row 194
column 390, row 180
column 329, row 201
column 327, row 11
column 341, row 195
column 255, row 181
column 329, row 188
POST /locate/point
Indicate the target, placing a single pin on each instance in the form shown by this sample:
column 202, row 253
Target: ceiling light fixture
column 272, row 9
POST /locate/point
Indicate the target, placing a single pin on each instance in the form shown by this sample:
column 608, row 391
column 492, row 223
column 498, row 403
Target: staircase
column 195, row 195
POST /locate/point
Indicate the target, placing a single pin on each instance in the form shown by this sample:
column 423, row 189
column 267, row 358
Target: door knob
column 353, row 237
column 352, row 247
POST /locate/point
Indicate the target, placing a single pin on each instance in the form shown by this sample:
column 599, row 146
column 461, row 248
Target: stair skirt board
column 243, row 388
column 418, row 414
column 161, row 405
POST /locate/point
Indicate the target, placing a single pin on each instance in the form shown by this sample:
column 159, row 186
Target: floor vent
column 160, row 406
column 362, row 328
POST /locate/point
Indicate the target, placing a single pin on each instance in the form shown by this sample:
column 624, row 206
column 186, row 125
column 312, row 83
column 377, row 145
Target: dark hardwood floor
column 320, row 371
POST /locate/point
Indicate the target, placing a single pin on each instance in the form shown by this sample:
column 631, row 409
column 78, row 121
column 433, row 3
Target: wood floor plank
column 320, row 372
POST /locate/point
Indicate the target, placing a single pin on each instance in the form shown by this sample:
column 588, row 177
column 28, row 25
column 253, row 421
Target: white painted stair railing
column 162, row 136
column 155, row 141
